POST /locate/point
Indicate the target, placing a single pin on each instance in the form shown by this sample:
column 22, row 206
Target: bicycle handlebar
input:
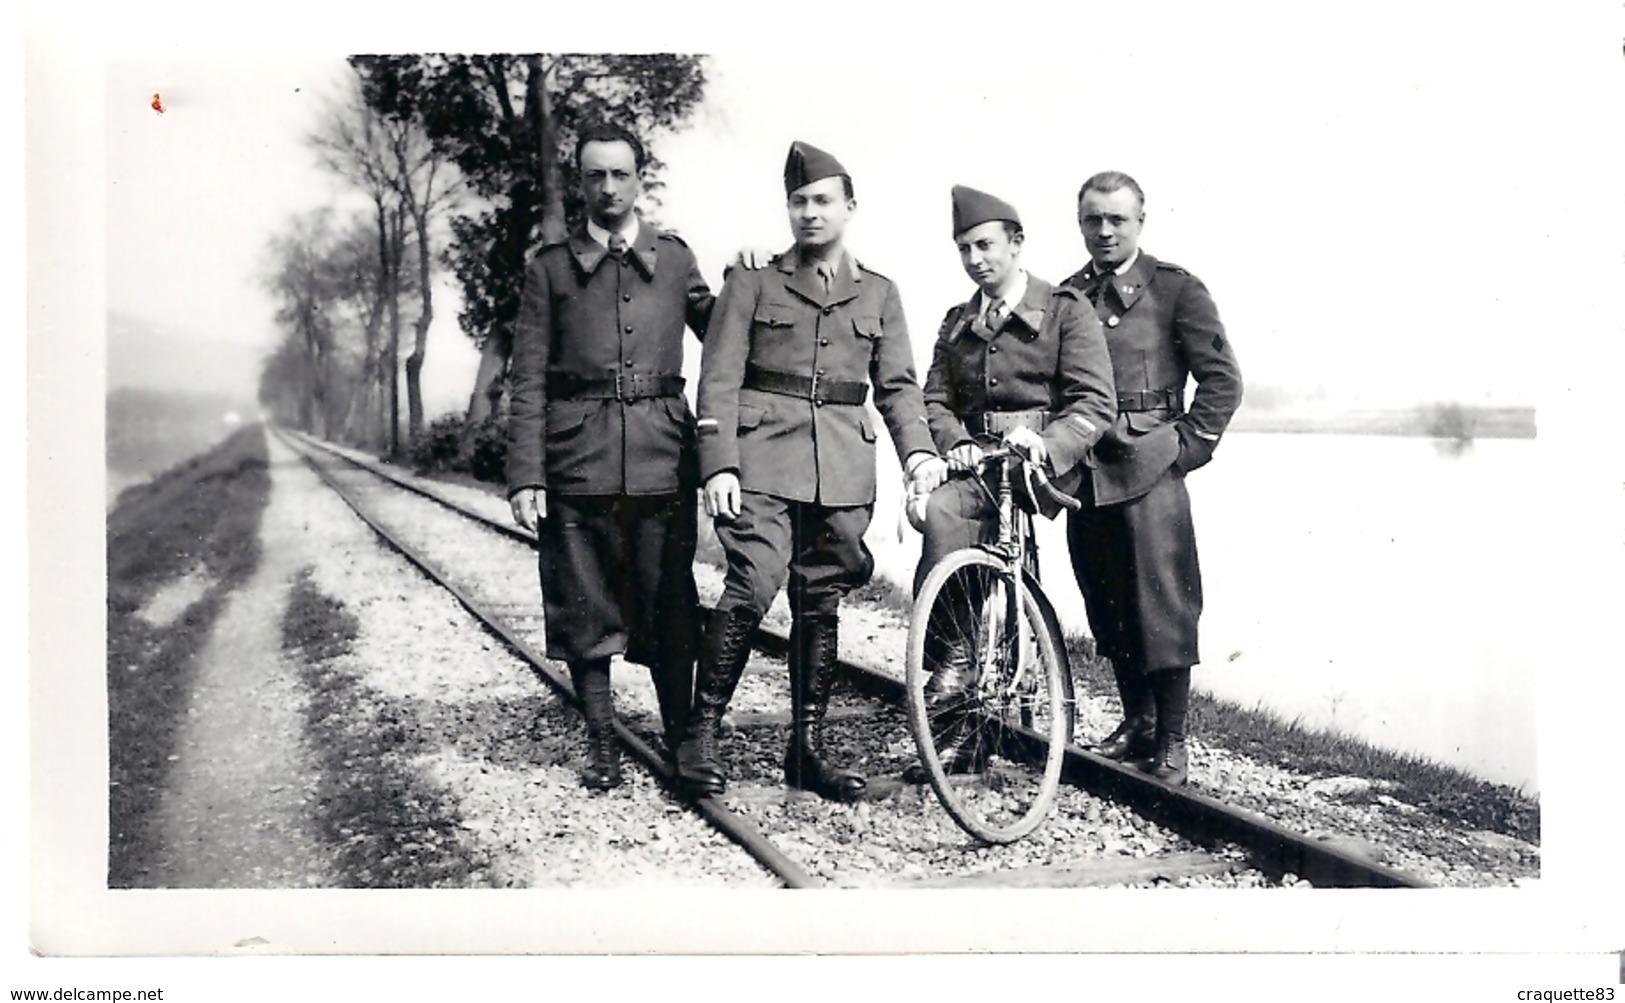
column 1043, row 490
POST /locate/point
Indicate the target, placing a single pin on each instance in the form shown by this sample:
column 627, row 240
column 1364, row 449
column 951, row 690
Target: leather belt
column 815, row 388
column 1169, row 399
column 997, row 423
column 621, row 386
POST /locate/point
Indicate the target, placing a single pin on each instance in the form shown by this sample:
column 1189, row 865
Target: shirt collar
column 1012, row 296
column 629, row 232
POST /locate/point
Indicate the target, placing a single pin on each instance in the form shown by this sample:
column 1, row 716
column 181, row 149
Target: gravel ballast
column 904, row 837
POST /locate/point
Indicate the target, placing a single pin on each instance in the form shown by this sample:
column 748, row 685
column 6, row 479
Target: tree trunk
column 420, row 334
column 392, row 352
column 540, row 98
column 538, row 116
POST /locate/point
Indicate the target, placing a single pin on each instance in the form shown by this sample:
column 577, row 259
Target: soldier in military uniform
column 1133, row 545
column 1021, row 361
column 601, row 459
column 788, row 459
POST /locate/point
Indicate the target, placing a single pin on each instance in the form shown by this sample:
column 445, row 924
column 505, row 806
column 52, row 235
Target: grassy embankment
column 391, row 829
column 200, row 517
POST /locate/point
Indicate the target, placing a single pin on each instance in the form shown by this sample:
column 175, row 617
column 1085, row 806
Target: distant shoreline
column 1430, row 421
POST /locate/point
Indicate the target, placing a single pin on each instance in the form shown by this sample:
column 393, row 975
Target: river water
column 1373, row 585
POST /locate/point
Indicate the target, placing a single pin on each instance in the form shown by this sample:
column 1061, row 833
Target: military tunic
column 806, row 462
column 1133, row 545
column 1048, row 356
column 597, row 419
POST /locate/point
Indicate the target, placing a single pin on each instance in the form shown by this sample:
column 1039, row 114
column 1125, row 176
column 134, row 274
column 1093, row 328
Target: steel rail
column 1194, row 815
column 735, row 827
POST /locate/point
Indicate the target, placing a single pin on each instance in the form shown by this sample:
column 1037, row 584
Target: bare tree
column 425, row 184
column 302, row 280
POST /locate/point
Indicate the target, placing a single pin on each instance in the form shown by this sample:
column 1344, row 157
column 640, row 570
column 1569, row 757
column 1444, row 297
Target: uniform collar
column 1012, row 296
column 628, row 232
column 590, row 245
column 1129, row 279
column 1029, row 309
column 804, row 281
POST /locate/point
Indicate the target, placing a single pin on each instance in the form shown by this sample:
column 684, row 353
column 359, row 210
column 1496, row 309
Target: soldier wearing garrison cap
column 1021, row 361
column 1133, row 544
column 601, row 445
column 787, row 456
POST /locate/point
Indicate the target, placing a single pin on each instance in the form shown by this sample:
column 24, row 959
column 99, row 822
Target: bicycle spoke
column 995, row 747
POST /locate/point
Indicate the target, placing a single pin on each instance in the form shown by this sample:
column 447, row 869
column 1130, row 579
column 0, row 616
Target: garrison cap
column 973, row 208
column 806, row 164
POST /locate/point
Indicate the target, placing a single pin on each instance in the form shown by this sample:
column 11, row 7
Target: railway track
column 1113, row 825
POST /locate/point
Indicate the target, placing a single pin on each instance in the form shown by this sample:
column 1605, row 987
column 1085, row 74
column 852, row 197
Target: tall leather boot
column 591, row 681
column 947, row 695
column 1171, row 689
column 814, row 643
column 1135, row 738
column 722, row 662
column 674, row 689
column 947, row 652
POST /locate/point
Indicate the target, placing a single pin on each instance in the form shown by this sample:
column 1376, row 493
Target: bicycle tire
column 1006, row 797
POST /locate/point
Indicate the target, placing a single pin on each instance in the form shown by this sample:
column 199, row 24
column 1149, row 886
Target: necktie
column 1103, row 282
column 989, row 323
column 617, row 246
column 826, row 275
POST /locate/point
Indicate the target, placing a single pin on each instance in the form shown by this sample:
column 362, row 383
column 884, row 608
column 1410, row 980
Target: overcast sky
column 1361, row 200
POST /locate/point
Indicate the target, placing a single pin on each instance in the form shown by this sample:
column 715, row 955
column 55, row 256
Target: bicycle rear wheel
column 993, row 747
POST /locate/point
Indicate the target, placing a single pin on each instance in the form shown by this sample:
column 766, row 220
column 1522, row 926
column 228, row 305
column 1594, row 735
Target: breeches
column 617, row 577
column 1137, row 569
column 958, row 514
column 818, row 548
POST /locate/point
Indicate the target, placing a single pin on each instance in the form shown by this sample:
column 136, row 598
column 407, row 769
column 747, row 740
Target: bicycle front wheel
column 988, row 695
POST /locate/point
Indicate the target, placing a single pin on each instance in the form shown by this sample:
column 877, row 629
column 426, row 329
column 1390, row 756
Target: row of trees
column 463, row 162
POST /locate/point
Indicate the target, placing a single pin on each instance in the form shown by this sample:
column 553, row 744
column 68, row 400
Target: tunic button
column 629, row 363
column 626, row 297
column 823, row 341
column 629, row 329
column 993, row 350
column 1112, row 320
column 828, row 310
column 993, row 382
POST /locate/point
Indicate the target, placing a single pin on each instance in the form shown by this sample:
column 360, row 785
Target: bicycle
column 994, row 748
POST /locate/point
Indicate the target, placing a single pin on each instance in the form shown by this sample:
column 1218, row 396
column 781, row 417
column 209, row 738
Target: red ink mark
column 158, row 104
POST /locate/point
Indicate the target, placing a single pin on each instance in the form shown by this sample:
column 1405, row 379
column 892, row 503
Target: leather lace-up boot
column 591, row 682
column 722, row 662
column 814, row 643
column 1170, row 761
column 1135, row 738
column 674, row 690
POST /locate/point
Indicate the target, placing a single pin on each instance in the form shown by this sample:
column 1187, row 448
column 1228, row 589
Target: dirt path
column 236, row 814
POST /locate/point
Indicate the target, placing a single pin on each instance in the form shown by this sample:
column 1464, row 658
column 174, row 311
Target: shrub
column 437, row 448
column 488, row 452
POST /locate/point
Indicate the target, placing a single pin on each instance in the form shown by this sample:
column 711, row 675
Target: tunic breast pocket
column 773, row 320
column 867, row 327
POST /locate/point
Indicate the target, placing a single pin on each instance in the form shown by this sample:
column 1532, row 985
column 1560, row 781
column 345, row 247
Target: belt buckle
column 814, row 391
